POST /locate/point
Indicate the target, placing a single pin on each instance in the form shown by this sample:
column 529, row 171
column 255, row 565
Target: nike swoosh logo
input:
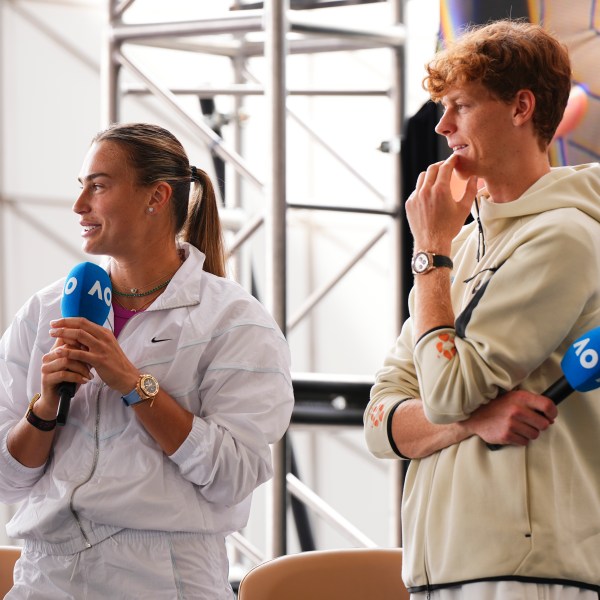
column 155, row 341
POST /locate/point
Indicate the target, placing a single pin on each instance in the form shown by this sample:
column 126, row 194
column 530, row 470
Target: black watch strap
column 33, row 419
column 442, row 261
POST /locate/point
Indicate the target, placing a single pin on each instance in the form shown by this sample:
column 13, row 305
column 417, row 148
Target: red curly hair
column 508, row 56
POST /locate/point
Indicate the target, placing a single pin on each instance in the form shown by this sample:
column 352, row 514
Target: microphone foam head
column 581, row 363
column 87, row 293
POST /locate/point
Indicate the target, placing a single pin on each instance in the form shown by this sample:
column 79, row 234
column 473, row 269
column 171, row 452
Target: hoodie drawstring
column 481, row 238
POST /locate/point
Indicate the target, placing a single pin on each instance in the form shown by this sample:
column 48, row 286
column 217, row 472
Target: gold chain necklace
column 136, row 310
column 135, row 293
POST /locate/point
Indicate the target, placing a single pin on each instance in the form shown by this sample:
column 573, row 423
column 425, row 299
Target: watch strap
column 33, row 419
column 133, row 397
column 442, row 261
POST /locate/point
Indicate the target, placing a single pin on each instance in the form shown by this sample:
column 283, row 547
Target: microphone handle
column 557, row 392
column 66, row 391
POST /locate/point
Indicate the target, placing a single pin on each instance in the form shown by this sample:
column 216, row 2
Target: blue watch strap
column 132, row 398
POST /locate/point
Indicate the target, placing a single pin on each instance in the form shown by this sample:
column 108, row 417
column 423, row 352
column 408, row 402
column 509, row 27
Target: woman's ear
column 159, row 199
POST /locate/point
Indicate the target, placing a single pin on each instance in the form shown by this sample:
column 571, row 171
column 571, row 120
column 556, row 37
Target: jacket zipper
column 96, row 455
column 92, row 470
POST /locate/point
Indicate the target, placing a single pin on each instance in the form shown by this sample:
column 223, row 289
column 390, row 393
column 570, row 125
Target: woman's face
column 111, row 206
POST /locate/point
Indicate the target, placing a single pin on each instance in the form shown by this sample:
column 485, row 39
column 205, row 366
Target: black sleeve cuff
column 435, row 329
column 389, row 430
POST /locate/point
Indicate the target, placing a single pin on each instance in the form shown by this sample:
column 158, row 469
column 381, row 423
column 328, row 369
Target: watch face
column 149, row 385
column 420, row 262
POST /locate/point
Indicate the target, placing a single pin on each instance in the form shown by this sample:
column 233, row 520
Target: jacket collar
column 184, row 287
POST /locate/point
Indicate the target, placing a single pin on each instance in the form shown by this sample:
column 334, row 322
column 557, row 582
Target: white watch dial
column 421, row 262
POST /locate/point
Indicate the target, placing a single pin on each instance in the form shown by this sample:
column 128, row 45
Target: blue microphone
column 581, row 370
column 580, row 366
column 87, row 293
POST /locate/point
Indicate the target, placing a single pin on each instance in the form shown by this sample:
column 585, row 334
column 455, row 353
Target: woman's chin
column 89, row 248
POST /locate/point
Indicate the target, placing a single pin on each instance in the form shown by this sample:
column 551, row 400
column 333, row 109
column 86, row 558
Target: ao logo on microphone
column 588, row 357
column 581, row 362
column 96, row 290
column 87, row 293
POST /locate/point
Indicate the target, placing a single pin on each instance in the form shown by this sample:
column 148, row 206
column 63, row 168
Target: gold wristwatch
column 145, row 389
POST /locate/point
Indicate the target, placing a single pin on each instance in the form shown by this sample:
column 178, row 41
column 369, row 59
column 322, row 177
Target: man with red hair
column 494, row 307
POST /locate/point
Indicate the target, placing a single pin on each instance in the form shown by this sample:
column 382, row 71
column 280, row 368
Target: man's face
column 479, row 130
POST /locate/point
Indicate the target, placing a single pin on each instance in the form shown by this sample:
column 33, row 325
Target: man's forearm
column 433, row 304
column 416, row 437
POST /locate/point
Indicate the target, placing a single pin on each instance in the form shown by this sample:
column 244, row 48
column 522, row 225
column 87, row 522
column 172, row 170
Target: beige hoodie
column 521, row 513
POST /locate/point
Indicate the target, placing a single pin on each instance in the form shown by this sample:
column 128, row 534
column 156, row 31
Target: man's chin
column 462, row 171
column 458, row 181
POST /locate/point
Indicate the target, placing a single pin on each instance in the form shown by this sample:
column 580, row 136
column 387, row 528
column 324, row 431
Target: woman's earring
column 150, row 210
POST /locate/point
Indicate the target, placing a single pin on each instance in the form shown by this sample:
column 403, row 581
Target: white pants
column 129, row 566
column 508, row 590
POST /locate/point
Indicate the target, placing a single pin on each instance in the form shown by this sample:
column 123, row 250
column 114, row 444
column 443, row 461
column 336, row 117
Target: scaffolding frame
column 285, row 33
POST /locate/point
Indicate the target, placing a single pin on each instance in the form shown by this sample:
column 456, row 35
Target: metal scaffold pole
column 275, row 232
column 109, row 71
column 398, row 247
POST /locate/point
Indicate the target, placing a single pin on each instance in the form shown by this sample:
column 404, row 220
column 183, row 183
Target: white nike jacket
column 213, row 348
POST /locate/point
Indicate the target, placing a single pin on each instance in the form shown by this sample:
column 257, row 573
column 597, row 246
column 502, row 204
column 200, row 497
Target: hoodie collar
column 563, row 187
